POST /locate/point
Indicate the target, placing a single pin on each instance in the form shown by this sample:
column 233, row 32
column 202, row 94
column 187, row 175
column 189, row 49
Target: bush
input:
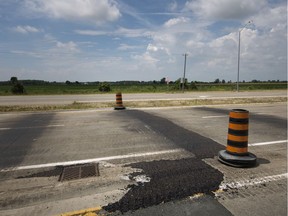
column 193, row 86
column 18, row 88
column 104, row 87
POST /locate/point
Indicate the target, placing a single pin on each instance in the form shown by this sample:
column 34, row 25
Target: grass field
column 54, row 89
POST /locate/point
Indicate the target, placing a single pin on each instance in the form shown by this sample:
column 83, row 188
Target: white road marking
column 251, row 182
column 268, row 143
column 32, row 127
column 220, row 116
column 93, row 160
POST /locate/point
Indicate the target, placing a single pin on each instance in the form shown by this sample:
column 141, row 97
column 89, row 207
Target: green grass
column 54, row 89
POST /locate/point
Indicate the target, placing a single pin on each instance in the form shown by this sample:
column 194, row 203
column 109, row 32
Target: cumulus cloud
column 225, row 9
column 26, row 29
column 94, row 11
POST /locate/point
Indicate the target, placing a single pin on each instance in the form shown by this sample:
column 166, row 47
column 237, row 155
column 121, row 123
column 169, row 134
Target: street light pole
column 183, row 84
column 239, row 40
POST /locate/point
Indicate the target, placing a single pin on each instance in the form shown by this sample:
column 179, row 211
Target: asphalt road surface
column 69, row 99
column 158, row 161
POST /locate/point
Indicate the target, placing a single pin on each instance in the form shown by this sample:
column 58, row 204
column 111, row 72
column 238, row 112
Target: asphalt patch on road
column 202, row 147
column 171, row 180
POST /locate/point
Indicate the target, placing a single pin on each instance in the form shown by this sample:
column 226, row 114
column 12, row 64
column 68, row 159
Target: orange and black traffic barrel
column 119, row 103
column 236, row 153
column 237, row 140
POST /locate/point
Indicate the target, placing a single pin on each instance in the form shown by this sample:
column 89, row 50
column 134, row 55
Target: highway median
column 144, row 103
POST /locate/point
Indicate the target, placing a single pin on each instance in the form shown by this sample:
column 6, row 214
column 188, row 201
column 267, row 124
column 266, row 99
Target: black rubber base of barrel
column 119, row 108
column 248, row 160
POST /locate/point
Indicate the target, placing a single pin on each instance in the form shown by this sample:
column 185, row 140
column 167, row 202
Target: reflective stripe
column 238, row 126
column 237, row 138
column 237, row 115
column 236, row 150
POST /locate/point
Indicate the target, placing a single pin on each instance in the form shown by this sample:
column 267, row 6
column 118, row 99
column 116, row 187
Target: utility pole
column 183, row 84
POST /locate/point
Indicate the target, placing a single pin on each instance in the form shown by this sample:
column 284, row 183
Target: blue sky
column 112, row 40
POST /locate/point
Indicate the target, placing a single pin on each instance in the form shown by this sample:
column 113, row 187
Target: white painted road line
column 251, row 182
column 32, row 127
column 220, row 116
column 93, row 160
column 268, row 143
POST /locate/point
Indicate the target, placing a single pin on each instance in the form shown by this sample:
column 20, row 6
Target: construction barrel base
column 119, row 108
column 248, row 160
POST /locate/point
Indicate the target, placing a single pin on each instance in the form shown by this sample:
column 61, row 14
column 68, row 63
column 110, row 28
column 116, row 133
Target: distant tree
column 217, row 80
column 104, row 87
column 223, row 81
column 163, row 80
column 14, row 80
column 17, row 87
column 193, row 86
column 67, row 82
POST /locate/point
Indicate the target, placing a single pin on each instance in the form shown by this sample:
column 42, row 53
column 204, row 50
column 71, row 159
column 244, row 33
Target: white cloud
column 175, row 21
column 26, row 29
column 132, row 32
column 172, row 6
column 225, row 9
column 146, row 57
column 123, row 32
column 152, row 47
column 92, row 32
column 94, row 11
column 71, row 46
column 124, row 47
column 271, row 17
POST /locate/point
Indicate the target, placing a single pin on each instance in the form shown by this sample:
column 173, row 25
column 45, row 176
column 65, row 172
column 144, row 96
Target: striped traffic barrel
column 237, row 140
column 119, row 103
